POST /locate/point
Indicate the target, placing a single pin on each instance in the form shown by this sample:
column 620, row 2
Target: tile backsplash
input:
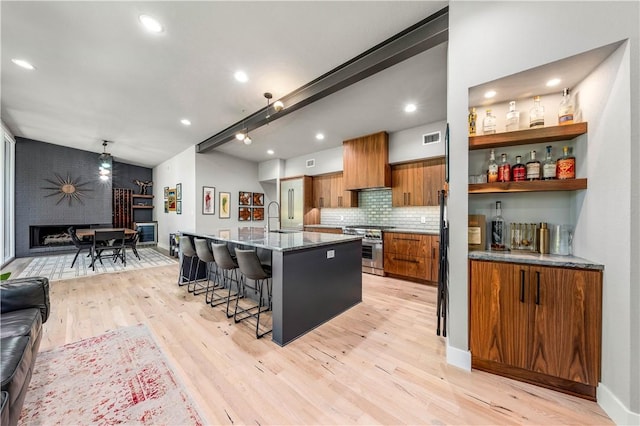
column 375, row 209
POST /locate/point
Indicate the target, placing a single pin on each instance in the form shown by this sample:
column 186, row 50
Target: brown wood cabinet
column 538, row 324
column 328, row 191
column 366, row 162
column 323, row 229
column 409, row 255
column 417, row 183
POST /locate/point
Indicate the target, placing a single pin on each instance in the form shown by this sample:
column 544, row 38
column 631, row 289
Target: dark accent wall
column 36, row 205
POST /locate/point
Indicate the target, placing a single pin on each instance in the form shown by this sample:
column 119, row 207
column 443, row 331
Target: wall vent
column 311, row 163
column 430, row 138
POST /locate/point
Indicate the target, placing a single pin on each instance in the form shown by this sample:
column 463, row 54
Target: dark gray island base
column 315, row 276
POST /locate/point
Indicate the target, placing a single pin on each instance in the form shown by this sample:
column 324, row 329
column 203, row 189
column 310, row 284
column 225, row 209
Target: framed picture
column 166, row 192
column 244, row 198
column 166, row 205
column 179, row 191
column 225, row 234
column 258, row 199
column 225, row 205
column 171, row 200
column 257, row 213
column 208, row 200
column 244, row 214
column 179, row 207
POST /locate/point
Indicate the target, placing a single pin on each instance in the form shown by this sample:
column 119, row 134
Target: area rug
column 121, row 377
column 58, row 267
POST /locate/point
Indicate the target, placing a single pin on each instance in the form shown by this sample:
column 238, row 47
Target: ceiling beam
column 416, row 39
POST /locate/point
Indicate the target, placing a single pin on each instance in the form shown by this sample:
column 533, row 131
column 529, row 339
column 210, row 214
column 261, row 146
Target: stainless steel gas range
column 372, row 246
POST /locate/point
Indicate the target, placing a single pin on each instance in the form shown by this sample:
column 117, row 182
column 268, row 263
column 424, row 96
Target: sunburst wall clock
column 68, row 189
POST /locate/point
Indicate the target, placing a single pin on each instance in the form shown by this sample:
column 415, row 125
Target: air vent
column 311, row 163
column 430, row 138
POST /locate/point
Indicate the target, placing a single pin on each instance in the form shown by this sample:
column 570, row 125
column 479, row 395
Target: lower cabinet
column 411, row 256
column 538, row 324
column 323, row 229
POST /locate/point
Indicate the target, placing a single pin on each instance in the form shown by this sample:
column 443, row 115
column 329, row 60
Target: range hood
column 366, row 162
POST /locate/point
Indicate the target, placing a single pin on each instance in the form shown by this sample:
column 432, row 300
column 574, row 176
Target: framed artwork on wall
column 166, row 192
column 225, row 205
column 171, row 200
column 244, row 214
column 179, row 207
column 208, row 200
column 257, row 213
column 179, row 191
column 244, row 198
column 258, row 199
column 166, row 205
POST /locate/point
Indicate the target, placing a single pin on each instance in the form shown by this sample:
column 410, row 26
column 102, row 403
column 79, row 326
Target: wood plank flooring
column 378, row 363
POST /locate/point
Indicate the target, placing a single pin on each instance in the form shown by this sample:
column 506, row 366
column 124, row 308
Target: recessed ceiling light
column 241, row 76
column 24, row 64
column 553, row 82
column 410, row 108
column 319, row 136
column 150, row 24
column 270, row 152
column 490, row 94
column 185, row 122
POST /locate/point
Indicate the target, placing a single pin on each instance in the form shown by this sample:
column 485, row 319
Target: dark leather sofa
column 24, row 307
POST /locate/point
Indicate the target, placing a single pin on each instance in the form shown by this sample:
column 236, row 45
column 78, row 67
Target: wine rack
column 122, row 212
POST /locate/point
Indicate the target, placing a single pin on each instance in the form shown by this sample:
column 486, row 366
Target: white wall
column 178, row 169
column 227, row 174
column 406, row 145
column 569, row 28
column 270, row 171
column 326, row 161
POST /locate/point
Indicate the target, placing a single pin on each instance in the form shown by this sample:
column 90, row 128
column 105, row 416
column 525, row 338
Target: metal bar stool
column 204, row 255
column 187, row 250
column 251, row 268
column 227, row 268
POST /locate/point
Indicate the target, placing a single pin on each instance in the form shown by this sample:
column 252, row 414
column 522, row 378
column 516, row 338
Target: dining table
column 90, row 232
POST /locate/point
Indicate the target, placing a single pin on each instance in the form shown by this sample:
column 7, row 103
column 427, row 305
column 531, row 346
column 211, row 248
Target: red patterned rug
column 121, row 377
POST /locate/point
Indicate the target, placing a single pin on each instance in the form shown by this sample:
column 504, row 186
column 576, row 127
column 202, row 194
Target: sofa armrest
column 23, row 293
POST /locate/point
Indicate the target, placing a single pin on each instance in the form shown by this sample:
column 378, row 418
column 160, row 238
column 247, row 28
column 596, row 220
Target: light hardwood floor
column 378, row 363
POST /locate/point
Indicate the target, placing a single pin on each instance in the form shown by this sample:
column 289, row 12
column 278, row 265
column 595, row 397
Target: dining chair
column 131, row 242
column 112, row 241
column 80, row 244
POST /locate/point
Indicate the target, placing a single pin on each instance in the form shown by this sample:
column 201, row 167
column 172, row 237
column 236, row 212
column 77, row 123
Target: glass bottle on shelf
column 473, row 118
column 489, row 124
column 492, row 171
column 566, row 109
column 533, row 167
column 549, row 166
column 498, row 237
column 504, row 170
column 566, row 165
column 519, row 170
column 536, row 114
column 513, row 117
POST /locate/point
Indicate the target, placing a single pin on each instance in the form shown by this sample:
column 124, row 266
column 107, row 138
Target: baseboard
column 615, row 409
column 458, row 357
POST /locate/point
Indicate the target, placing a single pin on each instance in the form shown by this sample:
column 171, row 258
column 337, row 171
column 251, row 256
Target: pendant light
column 105, row 163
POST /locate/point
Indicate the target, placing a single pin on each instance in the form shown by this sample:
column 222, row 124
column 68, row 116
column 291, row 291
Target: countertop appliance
column 372, row 246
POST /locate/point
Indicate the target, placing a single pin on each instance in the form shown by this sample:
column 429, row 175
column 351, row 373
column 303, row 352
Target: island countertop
column 285, row 240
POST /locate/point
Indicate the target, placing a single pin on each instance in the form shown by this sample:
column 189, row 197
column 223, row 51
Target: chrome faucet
column 269, row 217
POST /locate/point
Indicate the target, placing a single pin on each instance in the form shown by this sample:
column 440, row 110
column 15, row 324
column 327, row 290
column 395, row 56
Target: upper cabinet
column 417, row 183
column 328, row 191
column 366, row 162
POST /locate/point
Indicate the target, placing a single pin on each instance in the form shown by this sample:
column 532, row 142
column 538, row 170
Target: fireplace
column 52, row 235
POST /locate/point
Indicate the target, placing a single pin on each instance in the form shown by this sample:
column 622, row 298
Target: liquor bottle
column 519, row 170
column 566, row 165
column 565, row 111
column 492, row 171
column 513, row 117
column 504, row 170
column 549, row 166
column 489, row 124
column 533, row 167
column 473, row 118
column 536, row 114
column 498, row 237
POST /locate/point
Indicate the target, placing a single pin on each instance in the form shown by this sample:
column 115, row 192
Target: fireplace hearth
column 41, row 236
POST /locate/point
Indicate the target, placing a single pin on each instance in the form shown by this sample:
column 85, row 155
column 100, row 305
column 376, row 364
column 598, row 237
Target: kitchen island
column 315, row 276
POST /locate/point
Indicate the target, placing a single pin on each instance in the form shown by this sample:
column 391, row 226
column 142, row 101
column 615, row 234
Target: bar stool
column 251, row 268
column 204, row 254
column 228, row 269
column 186, row 248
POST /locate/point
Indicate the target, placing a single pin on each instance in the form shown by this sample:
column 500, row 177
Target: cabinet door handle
column 339, row 201
column 408, row 198
column 521, row 285
column 537, row 287
column 406, row 260
column 321, row 201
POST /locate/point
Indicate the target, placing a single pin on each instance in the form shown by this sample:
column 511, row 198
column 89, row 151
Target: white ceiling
column 99, row 75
